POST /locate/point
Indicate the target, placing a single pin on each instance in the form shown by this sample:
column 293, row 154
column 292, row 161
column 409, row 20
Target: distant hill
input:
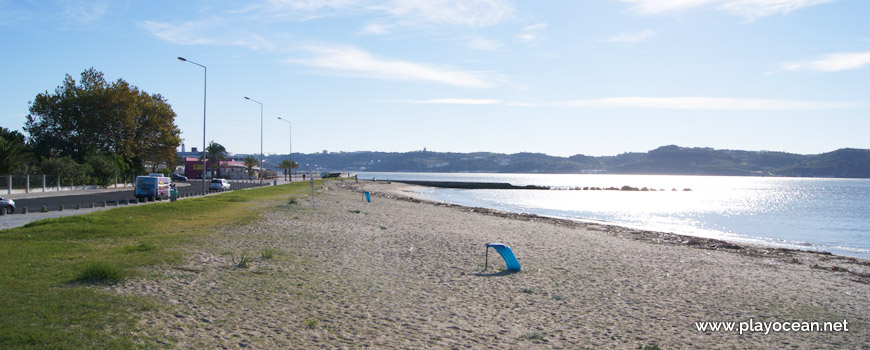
column 665, row 160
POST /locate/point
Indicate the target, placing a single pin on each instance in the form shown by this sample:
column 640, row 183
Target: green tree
column 103, row 170
column 92, row 116
column 250, row 163
column 215, row 153
column 287, row 165
column 14, row 154
column 70, row 171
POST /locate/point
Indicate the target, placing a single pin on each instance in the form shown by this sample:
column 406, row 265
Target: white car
column 7, row 204
column 219, row 184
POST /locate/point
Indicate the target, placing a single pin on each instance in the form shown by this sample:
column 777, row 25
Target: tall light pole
column 290, row 134
column 204, row 86
column 260, row 174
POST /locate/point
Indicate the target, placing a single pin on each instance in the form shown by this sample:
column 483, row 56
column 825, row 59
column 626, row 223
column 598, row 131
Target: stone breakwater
column 506, row 186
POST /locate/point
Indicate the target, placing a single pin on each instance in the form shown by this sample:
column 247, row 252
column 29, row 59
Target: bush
column 70, row 171
column 101, row 273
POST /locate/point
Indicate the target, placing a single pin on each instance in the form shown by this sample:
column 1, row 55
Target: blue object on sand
column 368, row 197
column 506, row 253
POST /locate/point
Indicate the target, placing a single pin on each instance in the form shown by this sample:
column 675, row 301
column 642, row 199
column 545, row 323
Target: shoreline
column 858, row 268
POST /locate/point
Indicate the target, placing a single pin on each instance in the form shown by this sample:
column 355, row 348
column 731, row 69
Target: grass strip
column 54, row 270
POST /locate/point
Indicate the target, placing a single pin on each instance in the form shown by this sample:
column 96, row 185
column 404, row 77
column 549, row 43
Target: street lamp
column 260, row 175
column 291, row 146
column 204, row 86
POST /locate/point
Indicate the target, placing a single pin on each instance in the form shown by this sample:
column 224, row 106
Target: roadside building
column 228, row 169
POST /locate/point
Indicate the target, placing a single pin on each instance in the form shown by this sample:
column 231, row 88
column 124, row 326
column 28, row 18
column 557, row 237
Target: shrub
column 533, row 336
column 101, row 273
column 267, row 254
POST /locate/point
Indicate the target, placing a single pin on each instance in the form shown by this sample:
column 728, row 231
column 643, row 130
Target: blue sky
column 595, row 77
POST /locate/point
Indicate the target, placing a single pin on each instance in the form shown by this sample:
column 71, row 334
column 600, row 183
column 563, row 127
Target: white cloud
column 763, row 8
column 654, row 7
column 454, row 12
column 377, row 29
column 747, row 8
column 696, row 103
column 633, row 37
column 530, row 32
column 535, row 26
column 84, row 13
column 403, row 12
column 204, row 32
column 357, row 62
column 459, row 101
column 833, row 62
column 312, row 5
column 483, row 44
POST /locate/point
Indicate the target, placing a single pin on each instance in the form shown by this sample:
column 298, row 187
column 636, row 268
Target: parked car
column 178, row 177
column 219, row 184
column 7, row 204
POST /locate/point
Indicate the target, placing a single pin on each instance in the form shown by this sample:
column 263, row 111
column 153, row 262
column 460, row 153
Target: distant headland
column 665, row 160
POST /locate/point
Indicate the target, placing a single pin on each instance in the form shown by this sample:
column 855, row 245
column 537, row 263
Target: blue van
column 152, row 187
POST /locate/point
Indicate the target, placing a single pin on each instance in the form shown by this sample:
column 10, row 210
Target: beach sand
column 399, row 274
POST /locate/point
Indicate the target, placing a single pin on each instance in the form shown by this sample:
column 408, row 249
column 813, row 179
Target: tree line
column 91, row 131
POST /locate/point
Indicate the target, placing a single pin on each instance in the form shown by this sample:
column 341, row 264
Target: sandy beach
column 398, row 273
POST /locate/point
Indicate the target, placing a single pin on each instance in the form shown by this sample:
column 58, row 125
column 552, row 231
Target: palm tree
column 215, row 153
column 287, row 165
column 250, row 163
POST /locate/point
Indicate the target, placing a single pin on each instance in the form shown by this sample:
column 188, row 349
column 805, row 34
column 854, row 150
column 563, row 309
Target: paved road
column 111, row 198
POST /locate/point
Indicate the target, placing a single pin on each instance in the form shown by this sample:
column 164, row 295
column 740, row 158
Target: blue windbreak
column 507, row 254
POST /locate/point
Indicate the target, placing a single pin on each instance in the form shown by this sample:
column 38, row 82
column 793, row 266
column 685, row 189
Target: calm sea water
column 806, row 213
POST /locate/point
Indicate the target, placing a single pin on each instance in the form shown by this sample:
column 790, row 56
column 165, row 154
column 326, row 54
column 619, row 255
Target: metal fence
column 46, row 183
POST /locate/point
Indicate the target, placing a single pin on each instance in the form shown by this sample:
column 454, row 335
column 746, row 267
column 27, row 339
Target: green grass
column 54, row 270
column 244, row 261
column 267, row 254
column 101, row 273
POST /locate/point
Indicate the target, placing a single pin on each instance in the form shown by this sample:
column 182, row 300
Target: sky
column 593, row 77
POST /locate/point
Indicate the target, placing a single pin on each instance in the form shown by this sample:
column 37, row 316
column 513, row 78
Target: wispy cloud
column 654, row 7
column 457, row 101
column 483, row 44
column 204, row 32
column 405, row 12
column 832, row 63
column 695, row 103
column 312, row 5
column 530, row 33
column 632, row 37
column 356, row 62
column 764, row 8
column 455, row 12
column 746, row 8
column 377, row 29
column 85, row 13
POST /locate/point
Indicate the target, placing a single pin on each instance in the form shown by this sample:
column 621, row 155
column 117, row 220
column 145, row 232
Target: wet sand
column 398, row 273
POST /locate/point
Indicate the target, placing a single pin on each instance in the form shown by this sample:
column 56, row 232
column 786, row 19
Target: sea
column 818, row 214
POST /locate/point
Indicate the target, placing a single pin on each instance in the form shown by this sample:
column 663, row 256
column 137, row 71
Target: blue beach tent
column 506, row 253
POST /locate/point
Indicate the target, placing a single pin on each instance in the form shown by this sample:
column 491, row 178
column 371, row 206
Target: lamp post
column 290, row 134
column 204, row 86
column 260, row 174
